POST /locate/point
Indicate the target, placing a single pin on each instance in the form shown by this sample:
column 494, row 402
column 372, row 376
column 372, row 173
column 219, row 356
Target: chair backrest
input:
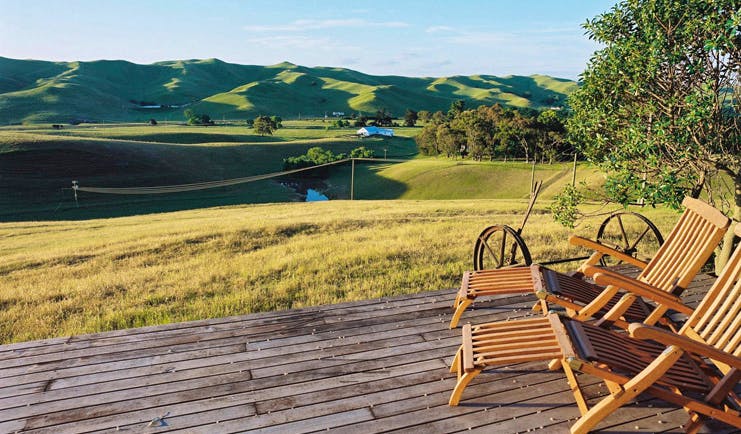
column 687, row 248
column 717, row 320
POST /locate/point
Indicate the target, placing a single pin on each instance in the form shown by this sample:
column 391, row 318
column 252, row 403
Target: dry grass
column 64, row 278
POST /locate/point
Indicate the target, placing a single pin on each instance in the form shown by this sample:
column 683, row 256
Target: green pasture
column 39, row 164
column 445, row 179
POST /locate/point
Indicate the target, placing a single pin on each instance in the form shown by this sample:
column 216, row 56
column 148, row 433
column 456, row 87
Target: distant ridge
column 117, row 90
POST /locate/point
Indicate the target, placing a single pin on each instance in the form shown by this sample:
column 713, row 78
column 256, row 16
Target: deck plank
column 367, row 366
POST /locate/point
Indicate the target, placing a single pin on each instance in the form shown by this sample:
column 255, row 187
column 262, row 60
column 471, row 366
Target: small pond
column 314, row 196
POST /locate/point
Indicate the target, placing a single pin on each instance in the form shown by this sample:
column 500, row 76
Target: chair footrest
column 508, row 342
column 517, row 280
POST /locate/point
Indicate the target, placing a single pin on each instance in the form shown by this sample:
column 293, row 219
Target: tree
column 410, row 118
column 478, row 132
column 438, row 117
column 456, row 108
column 319, row 155
column 424, row 116
column 551, row 134
column 263, row 125
column 361, row 121
column 277, row 122
column 659, row 106
column 427, row 140
column 197, row 118
column 383, row 118
column 449, row 141
column 361, row 152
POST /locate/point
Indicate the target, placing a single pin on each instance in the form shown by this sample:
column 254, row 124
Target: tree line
column 495, row 132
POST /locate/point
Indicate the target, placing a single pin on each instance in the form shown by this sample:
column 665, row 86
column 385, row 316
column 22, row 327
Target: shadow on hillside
column 306, row 96
column 196, row 138
column 186, row 137
column 527, row 87
column 36, row 180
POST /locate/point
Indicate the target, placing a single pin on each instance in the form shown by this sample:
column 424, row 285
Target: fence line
column 212, row 184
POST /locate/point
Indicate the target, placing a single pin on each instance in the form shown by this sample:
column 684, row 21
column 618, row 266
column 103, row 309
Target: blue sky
column 412, row 38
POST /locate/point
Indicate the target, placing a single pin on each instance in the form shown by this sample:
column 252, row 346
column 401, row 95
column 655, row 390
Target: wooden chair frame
column 696, row 368
column 691, row 242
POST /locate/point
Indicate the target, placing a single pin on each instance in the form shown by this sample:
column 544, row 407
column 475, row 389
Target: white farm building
column 375, row 131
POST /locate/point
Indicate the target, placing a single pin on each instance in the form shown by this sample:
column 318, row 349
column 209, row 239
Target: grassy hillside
column 37, row 91
column 433, row 178
column 95, row 275
column 38, row 165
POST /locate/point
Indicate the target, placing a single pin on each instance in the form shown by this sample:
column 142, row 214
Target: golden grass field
column 64, row 278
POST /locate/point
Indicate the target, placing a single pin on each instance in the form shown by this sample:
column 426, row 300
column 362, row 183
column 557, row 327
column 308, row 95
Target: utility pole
column 352, row 179
column 74, row 188
column 532, row 178
column 573, row 178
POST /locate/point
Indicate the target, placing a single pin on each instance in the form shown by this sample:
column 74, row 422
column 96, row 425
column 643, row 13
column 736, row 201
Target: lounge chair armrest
column 606, row 277
column 617, row 254
column 666, row 337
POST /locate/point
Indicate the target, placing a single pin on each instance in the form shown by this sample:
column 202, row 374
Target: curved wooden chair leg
column 457, row 300
column 455, row 365
column 462, row 306
column 630, row 390
column 463, row 381
column 695, row 423
column 554, row 365
column 604, row 408
column 540, row 306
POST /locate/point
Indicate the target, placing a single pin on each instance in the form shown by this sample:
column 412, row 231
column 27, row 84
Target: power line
column 211, row 184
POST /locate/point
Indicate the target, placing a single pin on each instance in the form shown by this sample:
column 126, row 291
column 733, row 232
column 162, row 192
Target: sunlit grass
column 64, row 278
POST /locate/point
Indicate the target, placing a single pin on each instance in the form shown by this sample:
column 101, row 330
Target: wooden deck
column 370, row 366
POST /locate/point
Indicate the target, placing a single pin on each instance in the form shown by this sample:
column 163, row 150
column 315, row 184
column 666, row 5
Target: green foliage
column 361, row 121
column 410, row 118
column 383, row 118
column 316, row 156
column 340, row 123
column 264, row 125
column 450, row 141
column 362, row 152
column 565, row 206
column 496, row 132
column 276, row 121
column 456, row 108
column 194, row 118
column 660, row 105
column 551, row 135
column 427, row 140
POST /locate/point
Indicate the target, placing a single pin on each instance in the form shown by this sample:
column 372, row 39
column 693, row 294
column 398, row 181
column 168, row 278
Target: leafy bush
column 316, row 156
column 565, row 206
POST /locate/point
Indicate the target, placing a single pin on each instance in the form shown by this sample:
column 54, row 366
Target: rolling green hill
column 102, row 91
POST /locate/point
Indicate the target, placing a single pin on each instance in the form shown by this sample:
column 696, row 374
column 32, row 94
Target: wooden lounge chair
column 678, row 260
column 696, row 368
